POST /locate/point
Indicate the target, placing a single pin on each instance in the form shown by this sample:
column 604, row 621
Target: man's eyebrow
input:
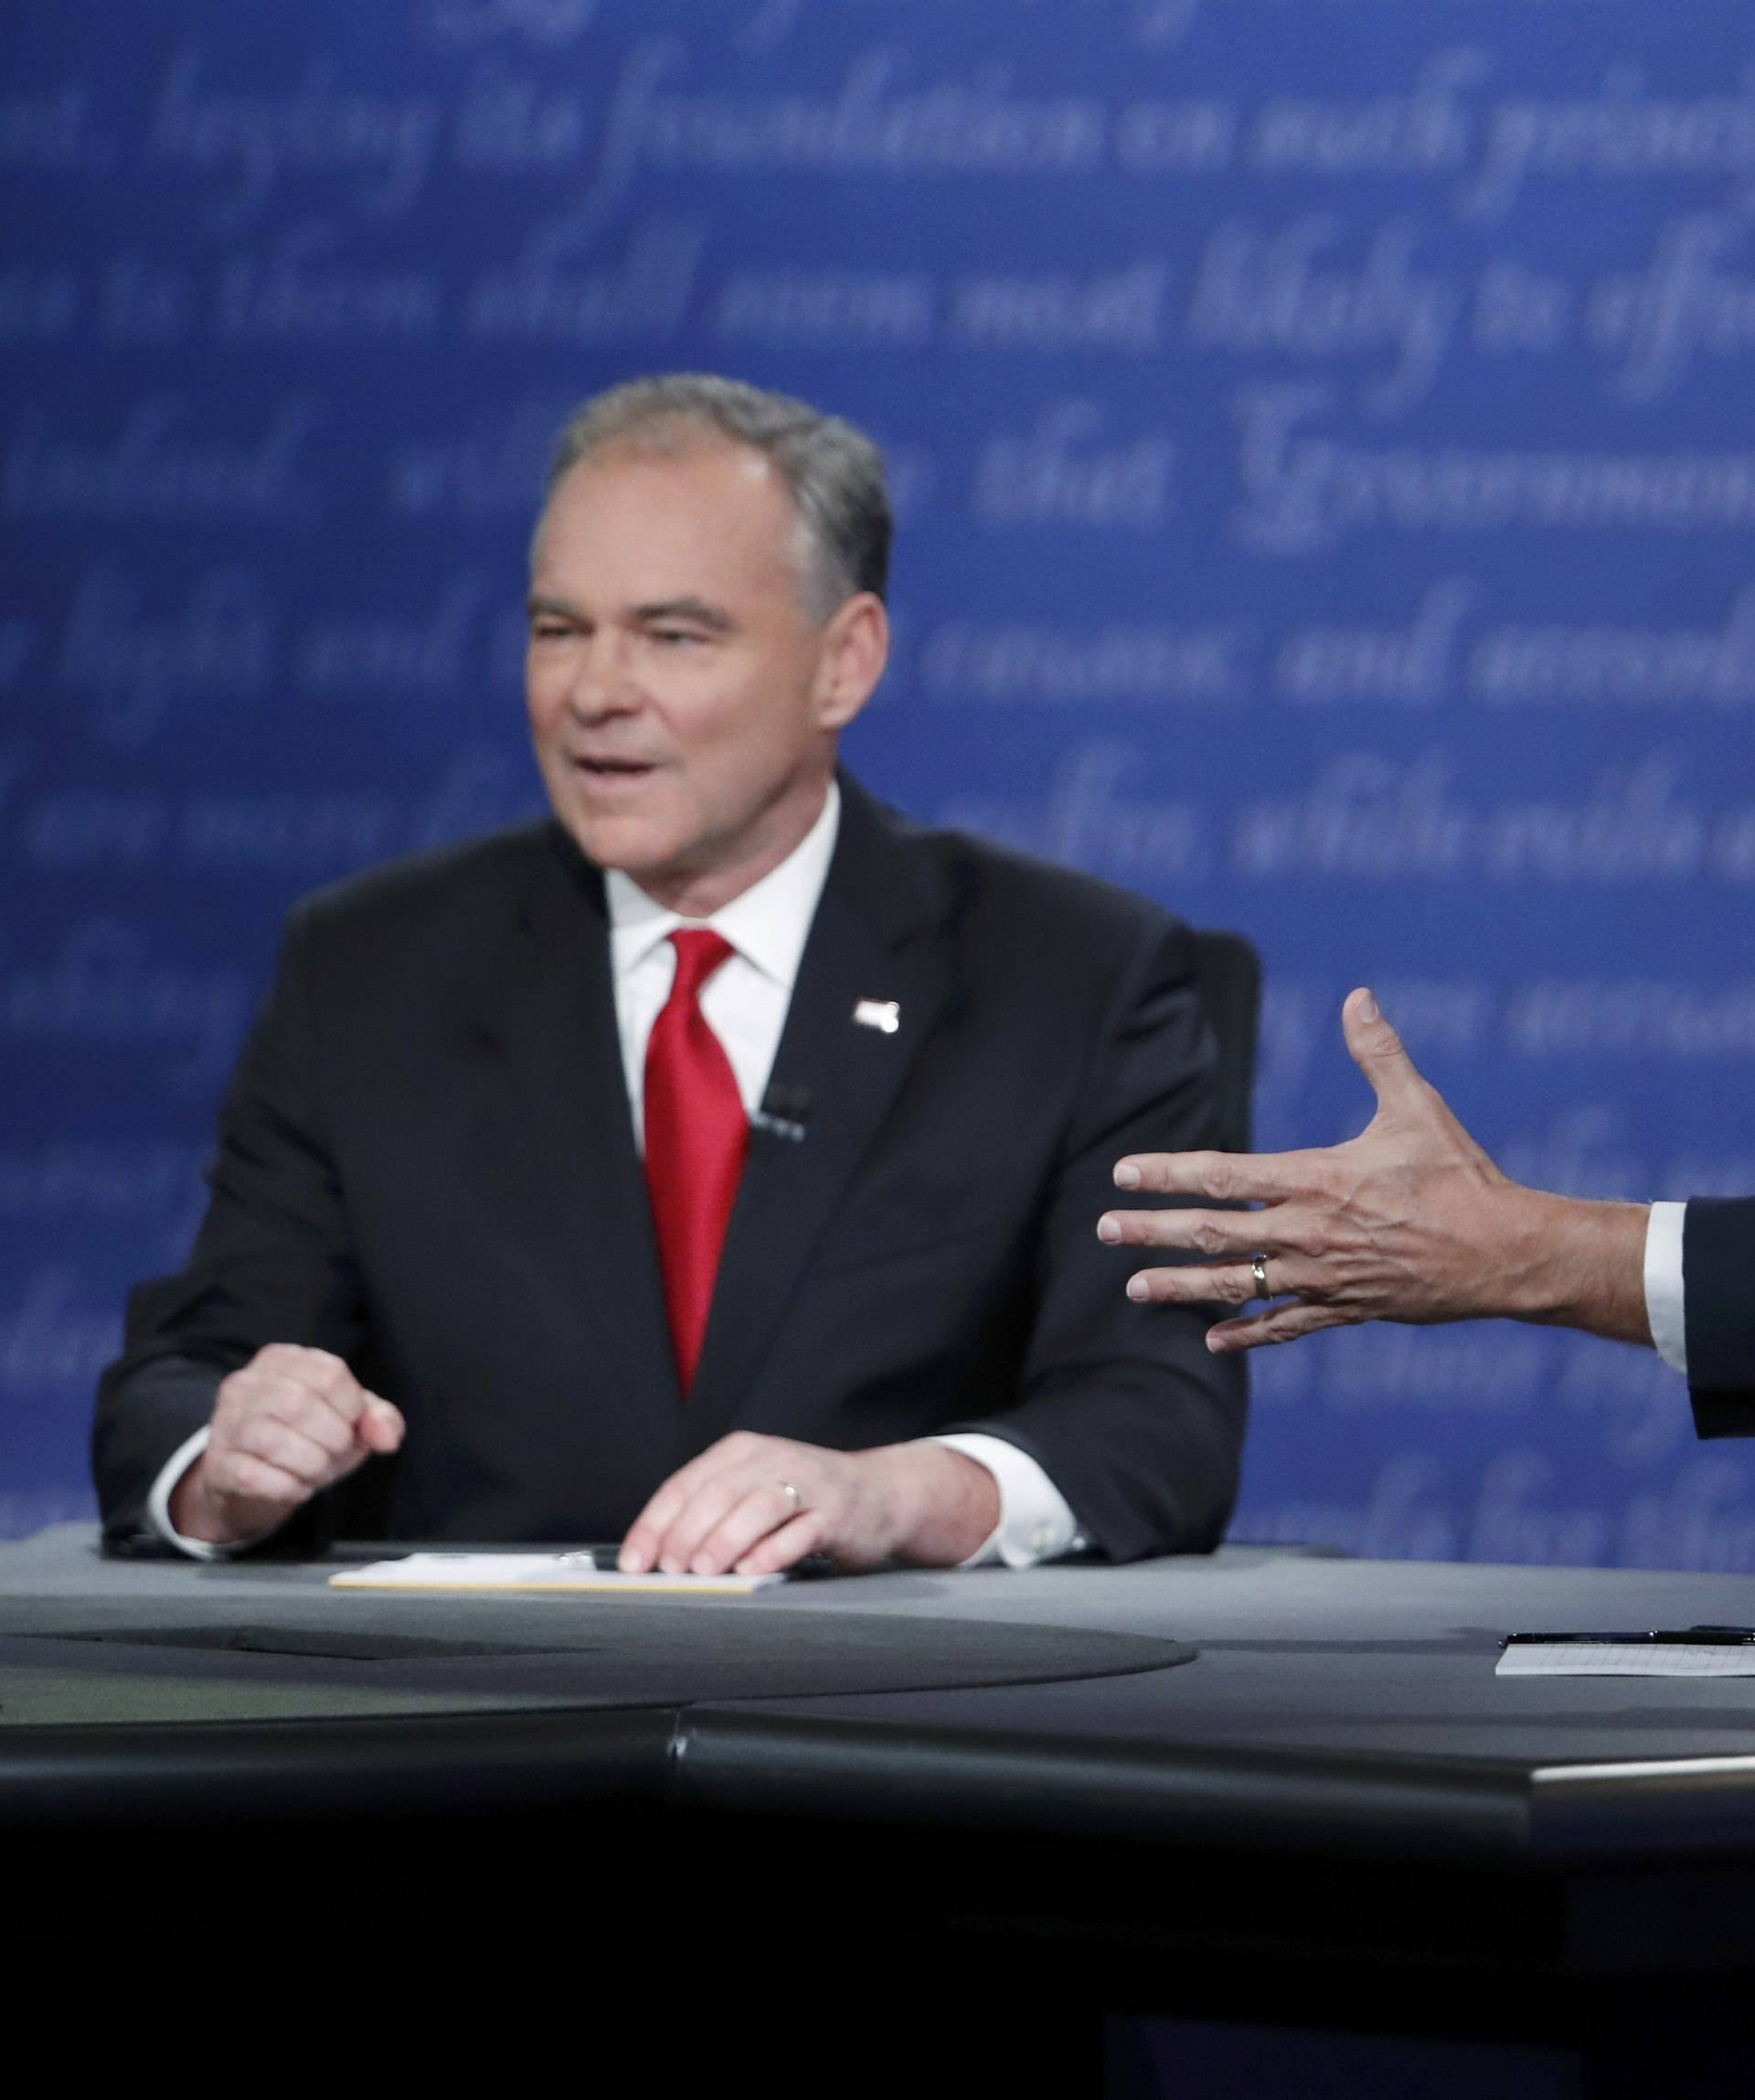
column 696, row 611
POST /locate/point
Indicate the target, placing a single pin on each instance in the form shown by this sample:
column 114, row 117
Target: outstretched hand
column 1410, row 1221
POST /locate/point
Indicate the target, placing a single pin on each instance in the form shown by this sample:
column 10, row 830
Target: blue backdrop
column 1322, row 445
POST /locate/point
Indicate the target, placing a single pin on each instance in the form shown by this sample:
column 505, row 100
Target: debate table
column 1272, row 1800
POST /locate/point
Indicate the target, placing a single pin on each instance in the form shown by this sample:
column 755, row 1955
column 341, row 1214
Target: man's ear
column 855, row 647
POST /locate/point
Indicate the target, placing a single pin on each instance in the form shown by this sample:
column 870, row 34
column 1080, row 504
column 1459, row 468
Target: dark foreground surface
column 921, row 1829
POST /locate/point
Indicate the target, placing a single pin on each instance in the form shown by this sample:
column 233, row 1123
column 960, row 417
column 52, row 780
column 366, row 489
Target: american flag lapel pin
column 884, row 1014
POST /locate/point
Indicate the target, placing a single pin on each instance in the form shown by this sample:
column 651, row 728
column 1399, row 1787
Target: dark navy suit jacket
column 1719, row 1267
column 425, row 1164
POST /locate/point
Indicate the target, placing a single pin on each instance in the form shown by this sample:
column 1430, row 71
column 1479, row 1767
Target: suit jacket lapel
column 553, row 1018
column 871, row 940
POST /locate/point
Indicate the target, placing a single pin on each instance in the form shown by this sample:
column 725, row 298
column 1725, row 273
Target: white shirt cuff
column 1664, row 1305
column 1034, row 1522
column 158, row 1506
column 158, row 1503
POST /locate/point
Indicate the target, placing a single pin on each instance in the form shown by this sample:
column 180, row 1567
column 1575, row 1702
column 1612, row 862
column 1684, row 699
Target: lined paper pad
column 1627, row 1659
column 531, row 1571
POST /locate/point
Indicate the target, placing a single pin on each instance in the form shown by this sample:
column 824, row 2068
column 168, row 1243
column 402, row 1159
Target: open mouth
column 614, row 772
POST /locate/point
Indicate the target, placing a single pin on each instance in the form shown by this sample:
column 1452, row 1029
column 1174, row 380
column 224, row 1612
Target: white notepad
column 1627, row 1659
column 570, row 1572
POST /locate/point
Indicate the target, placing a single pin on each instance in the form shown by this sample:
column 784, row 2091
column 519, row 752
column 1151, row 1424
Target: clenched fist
column 291, row 1423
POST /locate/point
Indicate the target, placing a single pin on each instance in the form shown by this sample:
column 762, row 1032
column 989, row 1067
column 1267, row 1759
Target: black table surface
column 1334, row 1815
column 1334, row 1703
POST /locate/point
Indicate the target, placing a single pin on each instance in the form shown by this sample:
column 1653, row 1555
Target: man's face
column 682, row 701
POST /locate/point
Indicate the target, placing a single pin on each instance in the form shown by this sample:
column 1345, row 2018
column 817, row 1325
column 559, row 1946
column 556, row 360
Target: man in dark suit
column 714, row 1163
column 1411, row 1221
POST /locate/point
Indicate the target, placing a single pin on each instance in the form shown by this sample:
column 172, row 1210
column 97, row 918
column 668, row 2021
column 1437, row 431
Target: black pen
column 1681, row 1636
column 606, row 1560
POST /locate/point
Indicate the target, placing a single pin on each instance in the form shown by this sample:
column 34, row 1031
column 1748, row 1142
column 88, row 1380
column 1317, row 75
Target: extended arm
column 1126, row 1411
column 272, row 1265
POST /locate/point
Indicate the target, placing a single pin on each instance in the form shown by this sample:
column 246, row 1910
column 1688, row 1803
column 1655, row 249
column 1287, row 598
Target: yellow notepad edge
column 624, row 1588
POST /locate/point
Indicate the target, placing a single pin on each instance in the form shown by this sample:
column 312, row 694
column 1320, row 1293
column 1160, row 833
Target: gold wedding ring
column 1259, row 1270
column 791, row 1495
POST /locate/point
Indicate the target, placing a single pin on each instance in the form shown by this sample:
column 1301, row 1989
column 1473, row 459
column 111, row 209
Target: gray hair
column 834, row 472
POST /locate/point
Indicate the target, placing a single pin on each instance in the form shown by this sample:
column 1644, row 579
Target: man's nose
column 602, row 683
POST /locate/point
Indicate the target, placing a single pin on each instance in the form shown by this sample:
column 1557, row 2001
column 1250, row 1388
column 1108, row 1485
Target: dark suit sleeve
column 272, row 1262
column 1719, row 1303
column 1137, row 1425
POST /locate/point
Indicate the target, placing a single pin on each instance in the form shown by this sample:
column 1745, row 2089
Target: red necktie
column 696, row 1133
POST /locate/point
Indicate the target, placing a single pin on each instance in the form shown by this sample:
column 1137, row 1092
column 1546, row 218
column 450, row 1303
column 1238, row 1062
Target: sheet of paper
column 548, row 1572
column 1626, row 1659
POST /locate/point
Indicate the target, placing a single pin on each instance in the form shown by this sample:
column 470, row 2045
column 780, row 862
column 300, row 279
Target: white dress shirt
column 745, row 1003
column 1664, row 1303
